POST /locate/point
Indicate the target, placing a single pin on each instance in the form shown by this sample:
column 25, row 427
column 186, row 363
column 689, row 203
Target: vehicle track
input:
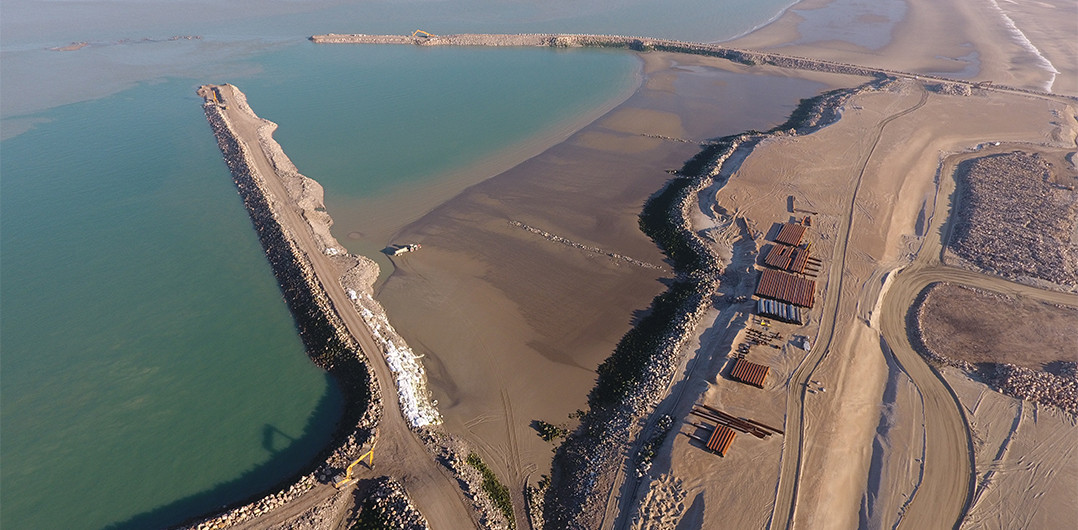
column 949, row 459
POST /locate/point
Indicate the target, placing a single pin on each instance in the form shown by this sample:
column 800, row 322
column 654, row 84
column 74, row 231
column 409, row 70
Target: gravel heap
column 1059, row 391
column 1012, row 221
column 951, row 89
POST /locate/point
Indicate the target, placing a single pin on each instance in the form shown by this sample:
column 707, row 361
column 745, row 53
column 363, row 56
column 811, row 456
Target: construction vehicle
column 411, row 247
column 420, row 33
column 340, row 481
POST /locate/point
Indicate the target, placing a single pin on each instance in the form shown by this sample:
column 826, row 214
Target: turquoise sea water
column 346, row 117
column 389, row 121
column 147, row 354
column 150, row 370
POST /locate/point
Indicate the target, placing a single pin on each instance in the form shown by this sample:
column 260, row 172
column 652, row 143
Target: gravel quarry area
column 1015, row 219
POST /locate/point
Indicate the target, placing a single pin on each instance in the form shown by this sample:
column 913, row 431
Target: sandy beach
column 1027, row 45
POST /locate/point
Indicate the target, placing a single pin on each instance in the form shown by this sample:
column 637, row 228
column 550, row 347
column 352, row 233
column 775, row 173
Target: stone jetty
column 324, row 336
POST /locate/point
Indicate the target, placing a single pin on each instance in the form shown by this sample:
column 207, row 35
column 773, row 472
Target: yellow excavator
column 420, row 33
column 347, row 479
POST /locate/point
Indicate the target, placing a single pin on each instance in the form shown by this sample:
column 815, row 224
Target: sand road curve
column 793, row 448
column 400, row 452
column 948, row 460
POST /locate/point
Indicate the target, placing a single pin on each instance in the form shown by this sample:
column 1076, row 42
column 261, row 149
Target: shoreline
column 372, row 222
column 782, row 13
column 812, row 65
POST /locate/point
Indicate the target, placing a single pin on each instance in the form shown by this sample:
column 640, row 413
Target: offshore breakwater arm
column 323, row 335
column 640, row 44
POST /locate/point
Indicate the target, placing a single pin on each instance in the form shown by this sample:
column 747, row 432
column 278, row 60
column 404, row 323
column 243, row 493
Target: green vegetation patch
column 498, row 492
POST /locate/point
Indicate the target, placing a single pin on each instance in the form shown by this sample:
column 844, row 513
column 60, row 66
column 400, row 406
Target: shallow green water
column 368, row 120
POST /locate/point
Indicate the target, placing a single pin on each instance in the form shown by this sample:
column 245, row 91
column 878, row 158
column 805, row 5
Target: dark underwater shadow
column 291, row 458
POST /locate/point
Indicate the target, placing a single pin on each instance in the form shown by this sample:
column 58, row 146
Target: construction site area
column 785, row 292
column 815, row 337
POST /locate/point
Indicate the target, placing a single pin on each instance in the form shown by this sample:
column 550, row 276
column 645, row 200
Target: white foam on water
column 1024, row 41
column 415, row 401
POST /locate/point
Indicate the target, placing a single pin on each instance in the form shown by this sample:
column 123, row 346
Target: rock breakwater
column 387, row 506
column 633, row 380
column 329, row 341
column 324, row 336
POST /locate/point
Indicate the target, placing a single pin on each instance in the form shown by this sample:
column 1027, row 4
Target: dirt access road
column 792, row 458
column 400, row 453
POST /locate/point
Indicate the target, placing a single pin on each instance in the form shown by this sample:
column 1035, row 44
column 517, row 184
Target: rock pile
column 321, row 516
column 951, row 89
column 453, row 453
column 1034, row 385
column 388, row 506
column 1012, row 221
column 588, row 248
column 258, row 508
